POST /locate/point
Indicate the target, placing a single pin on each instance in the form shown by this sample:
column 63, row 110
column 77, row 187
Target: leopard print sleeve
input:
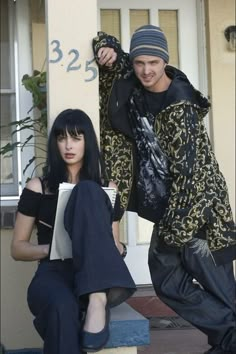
column 115, row 149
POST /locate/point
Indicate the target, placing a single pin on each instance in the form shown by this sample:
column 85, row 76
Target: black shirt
column 155, row 101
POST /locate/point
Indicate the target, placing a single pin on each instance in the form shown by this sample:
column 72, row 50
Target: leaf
column 37, row 123
column 17, row 122
column 9, row 147
column 29, row 163
column 38, row 165
column 31, row 127
column 26, row 141
column 36, row 73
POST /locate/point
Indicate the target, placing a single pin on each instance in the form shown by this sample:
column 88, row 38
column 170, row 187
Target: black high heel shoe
column 93, row 342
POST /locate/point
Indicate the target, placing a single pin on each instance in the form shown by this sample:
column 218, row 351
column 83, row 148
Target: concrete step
column 128, row 330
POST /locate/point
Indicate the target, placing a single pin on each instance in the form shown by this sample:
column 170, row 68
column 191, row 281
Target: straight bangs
column 70, row 126
column 73, row 122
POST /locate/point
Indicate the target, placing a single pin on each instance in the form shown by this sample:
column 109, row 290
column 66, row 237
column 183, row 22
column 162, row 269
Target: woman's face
column 71, row 149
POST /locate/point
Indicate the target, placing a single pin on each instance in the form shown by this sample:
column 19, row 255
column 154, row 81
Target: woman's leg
column 56, row 311
column 96, row 305
column 207, row 306
column 100, row 272
column 97, row 262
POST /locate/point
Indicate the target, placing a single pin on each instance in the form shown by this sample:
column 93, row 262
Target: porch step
column 128, row 330
column 146, row 302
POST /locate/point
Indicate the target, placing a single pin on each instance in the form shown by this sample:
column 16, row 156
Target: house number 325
column 74, row 61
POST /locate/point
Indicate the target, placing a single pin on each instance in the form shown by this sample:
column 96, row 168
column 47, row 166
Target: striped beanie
column 149, row 40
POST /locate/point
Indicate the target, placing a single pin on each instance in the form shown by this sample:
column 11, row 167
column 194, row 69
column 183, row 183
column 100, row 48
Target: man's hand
column 107, row 56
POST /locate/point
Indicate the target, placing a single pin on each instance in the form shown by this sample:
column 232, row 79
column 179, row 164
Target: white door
column 178, row 19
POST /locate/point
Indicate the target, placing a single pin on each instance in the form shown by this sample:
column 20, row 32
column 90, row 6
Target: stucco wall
column 221, row 14
column 17, row 330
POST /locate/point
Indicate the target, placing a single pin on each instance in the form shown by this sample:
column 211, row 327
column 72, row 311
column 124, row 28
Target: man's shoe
column 93, row 342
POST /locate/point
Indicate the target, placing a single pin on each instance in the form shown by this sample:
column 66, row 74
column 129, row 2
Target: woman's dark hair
column 73, row 122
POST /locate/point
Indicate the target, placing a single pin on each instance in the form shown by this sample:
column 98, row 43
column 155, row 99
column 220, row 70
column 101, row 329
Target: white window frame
column 23, row 65
column 9, row 92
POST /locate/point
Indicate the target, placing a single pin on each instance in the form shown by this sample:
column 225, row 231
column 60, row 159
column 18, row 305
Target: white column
column 72, row 73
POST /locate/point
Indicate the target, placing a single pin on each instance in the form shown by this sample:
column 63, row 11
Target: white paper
column 61, row 243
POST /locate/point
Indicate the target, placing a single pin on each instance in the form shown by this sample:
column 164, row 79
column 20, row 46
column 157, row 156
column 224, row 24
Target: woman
column 96, row 277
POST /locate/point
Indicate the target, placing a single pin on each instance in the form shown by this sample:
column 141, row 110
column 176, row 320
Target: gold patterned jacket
column 198, row 196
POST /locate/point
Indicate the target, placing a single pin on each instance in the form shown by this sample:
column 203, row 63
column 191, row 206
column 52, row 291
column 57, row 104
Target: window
column 168, row 20
column 9, row 164
column 16, row 60
column 110, row 22
column 138, row 18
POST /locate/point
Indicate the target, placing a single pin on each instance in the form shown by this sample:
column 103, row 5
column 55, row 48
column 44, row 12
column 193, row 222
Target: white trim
column 18, row 137
column 125, row 30
column 9, row 201
column 201, row 40
column 10, row 92
column 7, row 91
column 24, row 67
column 153, row 17
column 202, row 54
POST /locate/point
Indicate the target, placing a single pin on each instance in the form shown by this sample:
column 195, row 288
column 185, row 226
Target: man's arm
column 109, row 54
column 198, row 187
column 115, row 148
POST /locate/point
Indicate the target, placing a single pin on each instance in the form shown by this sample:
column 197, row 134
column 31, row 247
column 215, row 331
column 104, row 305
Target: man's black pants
column 209, row 304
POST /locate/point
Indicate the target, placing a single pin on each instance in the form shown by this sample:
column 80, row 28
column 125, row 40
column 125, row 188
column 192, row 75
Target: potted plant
column 35, row 124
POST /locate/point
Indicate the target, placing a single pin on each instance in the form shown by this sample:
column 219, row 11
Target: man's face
column 149, row 70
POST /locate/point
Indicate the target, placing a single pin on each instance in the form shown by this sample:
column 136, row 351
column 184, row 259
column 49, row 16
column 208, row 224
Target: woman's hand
column 122, row 248
column 107, row 56
column 120, row 245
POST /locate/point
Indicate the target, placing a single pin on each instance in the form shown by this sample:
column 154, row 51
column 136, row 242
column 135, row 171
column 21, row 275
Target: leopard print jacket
column 198, row 195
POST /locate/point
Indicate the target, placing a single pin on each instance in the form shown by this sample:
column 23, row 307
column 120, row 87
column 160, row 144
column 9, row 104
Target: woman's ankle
column 96, row 313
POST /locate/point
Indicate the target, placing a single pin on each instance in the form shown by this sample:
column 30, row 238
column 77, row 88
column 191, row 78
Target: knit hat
column 149, row 40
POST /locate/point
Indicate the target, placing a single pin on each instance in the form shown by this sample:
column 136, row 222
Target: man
column 157, row 150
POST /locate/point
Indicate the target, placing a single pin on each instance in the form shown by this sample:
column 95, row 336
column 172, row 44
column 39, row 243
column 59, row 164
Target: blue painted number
column 71, row 66
column 57, row 50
